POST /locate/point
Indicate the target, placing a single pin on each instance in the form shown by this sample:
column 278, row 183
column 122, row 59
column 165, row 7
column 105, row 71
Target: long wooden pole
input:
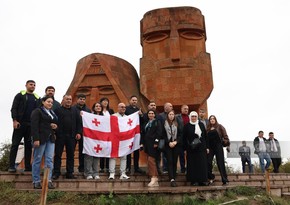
column 267, row 182
column 44, row 187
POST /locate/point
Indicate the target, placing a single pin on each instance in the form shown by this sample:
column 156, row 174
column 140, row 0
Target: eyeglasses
column 123, row 107
column 193, row 116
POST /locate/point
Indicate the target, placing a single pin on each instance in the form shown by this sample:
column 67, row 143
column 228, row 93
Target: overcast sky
column 249, row 43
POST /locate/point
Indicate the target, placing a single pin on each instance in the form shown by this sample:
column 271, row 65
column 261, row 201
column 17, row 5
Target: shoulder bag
column 195, row 143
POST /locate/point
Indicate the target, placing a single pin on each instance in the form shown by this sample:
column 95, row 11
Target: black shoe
column 81, row 170
column 28, row 170
column 102, row 171
column 50, row 185
column 165, row 171
column 55, row 176
column 225, row 183
column 37, row 185
column 140, row 171
column 194, row 184
column 183, row 171
column 203, row 184
column 12, row 170
column 211, row 181
column 159, row 172
column 128, row 171
column 70, row 176
column 173, row 184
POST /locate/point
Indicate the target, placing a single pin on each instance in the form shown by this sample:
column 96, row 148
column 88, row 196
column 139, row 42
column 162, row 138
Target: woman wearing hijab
column 152, row 133
column 43, row 126
column 173, row 143
column 196, row 157
column 216, row 135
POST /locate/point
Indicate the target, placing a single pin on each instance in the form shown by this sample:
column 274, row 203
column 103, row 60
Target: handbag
column 195, row 143
column 161, row 144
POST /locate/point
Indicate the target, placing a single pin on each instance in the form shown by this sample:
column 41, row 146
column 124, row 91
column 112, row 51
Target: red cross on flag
column 110, row 136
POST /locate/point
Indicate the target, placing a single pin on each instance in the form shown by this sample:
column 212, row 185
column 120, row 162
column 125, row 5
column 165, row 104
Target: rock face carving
column 100, row 75
column 175, row 66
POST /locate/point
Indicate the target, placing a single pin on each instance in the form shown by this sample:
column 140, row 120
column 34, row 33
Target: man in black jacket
column 69, row 130
column 261, row 149
column 275, row 152
column 81, row 106
column 23, row 105
column 130, row 109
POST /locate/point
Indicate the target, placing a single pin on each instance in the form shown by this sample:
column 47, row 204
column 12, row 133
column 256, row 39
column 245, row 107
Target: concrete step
column 286, row 195
column 279, row 183
column 23, row 180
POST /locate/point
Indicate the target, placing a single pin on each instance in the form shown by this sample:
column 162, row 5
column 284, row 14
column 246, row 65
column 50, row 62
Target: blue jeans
column 262, row 157
column 46, row 150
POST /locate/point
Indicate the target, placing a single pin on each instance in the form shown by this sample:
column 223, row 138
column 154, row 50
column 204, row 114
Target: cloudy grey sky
column 249, row 43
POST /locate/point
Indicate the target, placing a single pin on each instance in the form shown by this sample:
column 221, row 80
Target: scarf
column 197, row 128
column 148, row 125
column 171, row 131
column 50, row 113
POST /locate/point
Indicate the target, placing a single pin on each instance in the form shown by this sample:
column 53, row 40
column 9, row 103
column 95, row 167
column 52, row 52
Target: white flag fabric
column 110, row 136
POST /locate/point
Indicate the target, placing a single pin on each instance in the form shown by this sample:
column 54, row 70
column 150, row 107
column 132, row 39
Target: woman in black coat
column 217, row 138
column 173, row 143
column 151, row 134
column 43, row 125
column 196, row 158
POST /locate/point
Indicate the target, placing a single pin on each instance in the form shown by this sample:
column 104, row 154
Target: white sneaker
column 153, row 182
column 89, row 177
column 124, row 176
column 112, row 176
column 97, row 177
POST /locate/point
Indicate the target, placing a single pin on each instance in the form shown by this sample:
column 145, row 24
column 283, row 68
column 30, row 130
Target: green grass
column 238, row 196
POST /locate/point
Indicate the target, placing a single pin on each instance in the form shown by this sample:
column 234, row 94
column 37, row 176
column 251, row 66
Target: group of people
column 179, row 132
column 48, row 126
column 268, row 150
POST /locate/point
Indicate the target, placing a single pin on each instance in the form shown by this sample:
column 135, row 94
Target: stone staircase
column 137, row 184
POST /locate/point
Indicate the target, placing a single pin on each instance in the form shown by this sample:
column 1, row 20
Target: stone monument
column 100, row 75
column 175, row 66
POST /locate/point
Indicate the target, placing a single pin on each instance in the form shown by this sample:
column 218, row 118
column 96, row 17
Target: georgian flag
column 110, row 136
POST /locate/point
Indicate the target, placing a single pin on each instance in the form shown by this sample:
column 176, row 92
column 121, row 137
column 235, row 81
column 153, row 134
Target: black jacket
column 40, row 126
column 257, row 145
column 19, row 105
column 76, row 122
column 130, row 110
column 151, row 135
column 189, row 135
column 84, row 108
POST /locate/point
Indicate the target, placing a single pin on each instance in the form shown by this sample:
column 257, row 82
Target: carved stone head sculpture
column 175, row 66
column 100, row 75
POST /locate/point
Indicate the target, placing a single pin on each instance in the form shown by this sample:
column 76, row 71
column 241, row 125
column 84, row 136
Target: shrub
column 4, row 156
